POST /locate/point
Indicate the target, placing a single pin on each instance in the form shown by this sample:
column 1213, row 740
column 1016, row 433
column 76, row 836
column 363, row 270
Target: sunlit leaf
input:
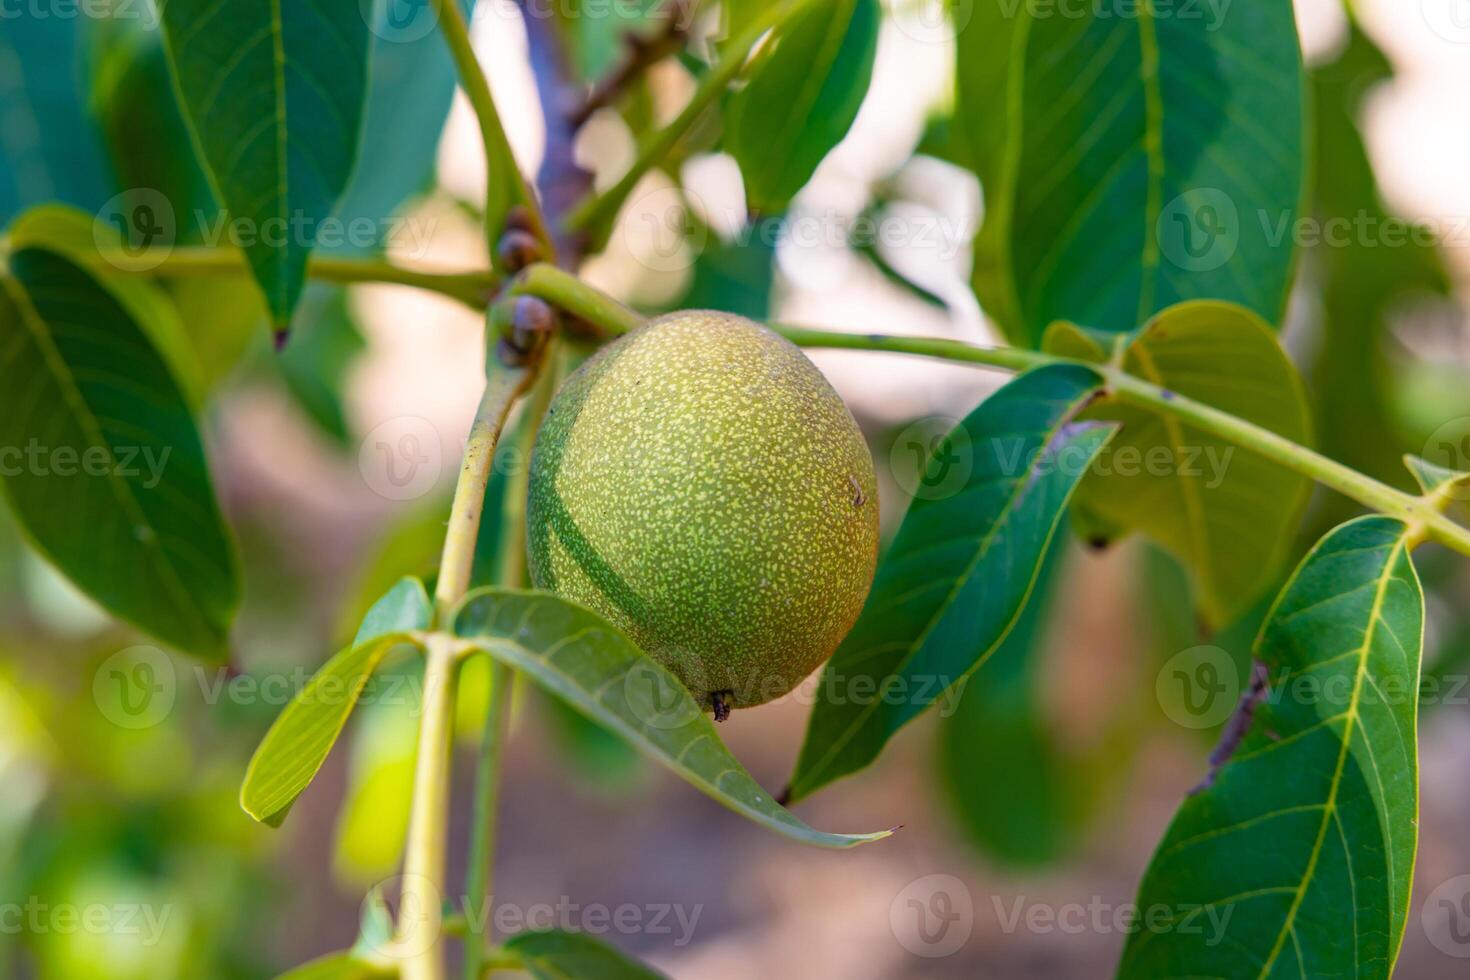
column 576, row 655
column 1224, row 511
column 802, row 98
column 1130, row 162
column 297, row 744
column 1297, row 858
column 960, row 571
column 117, row 491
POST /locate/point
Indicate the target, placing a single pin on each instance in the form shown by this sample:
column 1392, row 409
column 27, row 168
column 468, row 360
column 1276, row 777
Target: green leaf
column 66, row 231
column 1360, row 282
column 338, row 966
column 297, row 744
column 117, row 493
column 999, row 736
column 802, row 98
column 1130, row 162
column 1225, row 512
column 274, row 93
column 576, row 655
column 557, row 955
column 1300, row 853
column 960, row 571
column 372, row 823
column 50, row 146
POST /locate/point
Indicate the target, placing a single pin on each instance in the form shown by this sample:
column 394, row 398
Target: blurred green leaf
column 118, row 494
column 274, row 95
column 1360, row 279
column 1299, row 855
column 298, row 742
column 576, row 655
column 557, row 955
column 1225, row 512
column 802, row 98
column 372, row 824
column 50, row 146
column 338, row 966
column 324, row 343
column 735, row 276
column 1131, row 162
column 960, row 571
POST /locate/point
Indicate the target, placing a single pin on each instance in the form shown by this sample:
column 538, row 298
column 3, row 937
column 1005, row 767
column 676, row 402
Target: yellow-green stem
column 502, row 174
column 420, row 937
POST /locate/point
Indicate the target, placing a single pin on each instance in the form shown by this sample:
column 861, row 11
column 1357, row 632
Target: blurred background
column 1029, row 807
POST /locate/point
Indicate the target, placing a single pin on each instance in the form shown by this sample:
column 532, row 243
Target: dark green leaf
column 576, row 655
column 274, row 93
column 117, row 493
column 1225, row 512
column 1297, row 860
column 1131, row 161
column 802, row 98
column 557, row 955
column 959, row 572
column 301, row 737
column 737, row 276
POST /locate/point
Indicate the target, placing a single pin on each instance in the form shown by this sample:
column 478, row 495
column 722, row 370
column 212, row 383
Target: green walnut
column 700, row 484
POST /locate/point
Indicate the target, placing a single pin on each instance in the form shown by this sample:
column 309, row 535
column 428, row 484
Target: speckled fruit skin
column 700, row 484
